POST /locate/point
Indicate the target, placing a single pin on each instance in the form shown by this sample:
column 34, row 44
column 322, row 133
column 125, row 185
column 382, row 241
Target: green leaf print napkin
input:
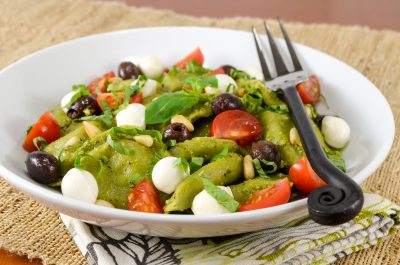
column 301, row 242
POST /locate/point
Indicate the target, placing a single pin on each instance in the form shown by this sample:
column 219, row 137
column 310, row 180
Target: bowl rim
column 52, row 198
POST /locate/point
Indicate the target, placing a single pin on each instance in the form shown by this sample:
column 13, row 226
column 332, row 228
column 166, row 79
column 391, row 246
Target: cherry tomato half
column 304, row 177
column 310, row 90
column 144, row 198
column 236, row 125
column 276, row 195
column 46, row 127
column 99, row 85
column 112, row 100
column 195, row 55
column 137, row 98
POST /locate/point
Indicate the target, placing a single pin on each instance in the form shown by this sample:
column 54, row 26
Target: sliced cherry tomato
column 137, row 98
column 309, row 91
column 195, row 55
column 110, row 99
column 144, row 198
column 276, row 195
column 236, row 125
column 304, row 177
column 99, row 85
column 217, row 71
column 46, row 127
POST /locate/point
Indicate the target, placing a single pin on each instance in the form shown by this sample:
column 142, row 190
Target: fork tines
column 280, row 66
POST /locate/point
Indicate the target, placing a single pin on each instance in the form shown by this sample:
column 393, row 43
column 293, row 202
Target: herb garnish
column 163, row 108
column 221, row 196
column 133, row 89
column 120, row 148
column 106, row 118
column 40, row 143
column 79, row 91
column 224, row 152
column 196, row 163
column 195, row 68
column 182, row 164
column 198, row 83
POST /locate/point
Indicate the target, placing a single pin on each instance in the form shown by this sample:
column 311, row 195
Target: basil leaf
column 124, row 132
column 224, row 152
column 106, row 118
column 238, row 74
column 221, row 196
column 269, row 166
column 120, row 148
column 171, row 143
column 163, row 108
column 198, row 83
column 196, row 163
column 195, row 68
column 131, row 90
column 40, row 143
column 79, row 91
column 78, row 160
column 183, row 164
column 259, row 169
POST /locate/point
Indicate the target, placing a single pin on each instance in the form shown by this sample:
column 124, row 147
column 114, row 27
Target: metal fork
column 342, row 198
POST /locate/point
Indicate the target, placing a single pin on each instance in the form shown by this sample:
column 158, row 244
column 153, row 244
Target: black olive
column 84, row 106
column 43, row 167
column 128, row 70
column 319, row 119
column 225, row 101
column 176, row 131
column 265, row 150
column 228, row 69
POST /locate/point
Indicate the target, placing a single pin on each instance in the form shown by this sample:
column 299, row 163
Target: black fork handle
column 342, row 199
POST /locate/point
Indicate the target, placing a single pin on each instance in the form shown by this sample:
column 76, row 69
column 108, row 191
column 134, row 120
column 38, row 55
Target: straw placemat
column 27, row 227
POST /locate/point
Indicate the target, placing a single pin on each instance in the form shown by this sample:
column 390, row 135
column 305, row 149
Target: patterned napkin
column 302, row 243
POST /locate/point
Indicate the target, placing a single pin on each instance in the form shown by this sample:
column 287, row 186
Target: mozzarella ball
column 149, row 88
column 66, row 100
column 167, row 174
column 151, row 66
column 225, row 83
column 80, row 184
column 205, row 204
column 336, row 131
column 132, row 115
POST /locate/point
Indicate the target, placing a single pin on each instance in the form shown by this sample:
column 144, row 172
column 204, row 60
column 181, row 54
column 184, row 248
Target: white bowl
column 36, row 83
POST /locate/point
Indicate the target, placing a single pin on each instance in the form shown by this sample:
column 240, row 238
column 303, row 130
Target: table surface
column 377, row 14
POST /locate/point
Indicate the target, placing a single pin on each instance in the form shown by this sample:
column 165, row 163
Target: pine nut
column 294, row 137
column 182, row 119
column 104, row 203
column 71, row 141
column 248, row 167
column 145, row 140
column 90, row 129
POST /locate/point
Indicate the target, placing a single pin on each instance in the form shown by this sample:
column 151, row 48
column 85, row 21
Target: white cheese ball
column 166, row 174
column 149, row 88
column 205, row 204
column 151, row 66
column 66, row 100
column 80, row 184
column 225, row 83
column 336, row 131
column 132, row 115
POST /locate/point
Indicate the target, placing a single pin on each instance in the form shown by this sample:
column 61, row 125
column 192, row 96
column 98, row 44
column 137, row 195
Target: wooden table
column 373, row 13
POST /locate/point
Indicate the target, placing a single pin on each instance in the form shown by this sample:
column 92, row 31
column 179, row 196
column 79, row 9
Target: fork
column 342, row 198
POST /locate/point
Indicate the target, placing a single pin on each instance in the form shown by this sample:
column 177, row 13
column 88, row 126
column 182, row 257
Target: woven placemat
column 27, row 227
